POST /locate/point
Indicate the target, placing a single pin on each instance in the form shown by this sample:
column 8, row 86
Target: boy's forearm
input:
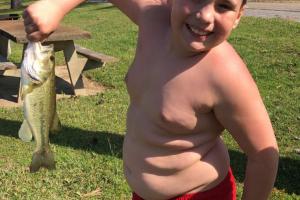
column 260, row 175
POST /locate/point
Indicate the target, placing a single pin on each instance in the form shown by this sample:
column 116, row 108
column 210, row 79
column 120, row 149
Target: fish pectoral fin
column 25, row 132
column 40, row 159
column 56, row 125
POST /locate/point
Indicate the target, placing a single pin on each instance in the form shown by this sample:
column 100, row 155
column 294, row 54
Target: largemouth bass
column 39, row 103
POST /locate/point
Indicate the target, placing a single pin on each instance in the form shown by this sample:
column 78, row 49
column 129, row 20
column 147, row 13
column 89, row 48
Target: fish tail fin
column 56, row 125
column 40, row 159
column 25, row 132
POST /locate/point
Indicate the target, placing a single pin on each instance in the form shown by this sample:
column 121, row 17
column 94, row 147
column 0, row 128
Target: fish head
column 44, row 62
column 38, row 62
column 37, row 66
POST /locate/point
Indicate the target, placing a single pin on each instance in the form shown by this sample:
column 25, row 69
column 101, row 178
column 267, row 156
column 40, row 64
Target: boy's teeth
column 202, row 33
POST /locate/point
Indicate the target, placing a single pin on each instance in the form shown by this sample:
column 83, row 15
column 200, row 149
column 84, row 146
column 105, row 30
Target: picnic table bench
column 62, row 39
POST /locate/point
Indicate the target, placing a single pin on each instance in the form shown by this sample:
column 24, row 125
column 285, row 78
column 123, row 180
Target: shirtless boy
column 186, row 85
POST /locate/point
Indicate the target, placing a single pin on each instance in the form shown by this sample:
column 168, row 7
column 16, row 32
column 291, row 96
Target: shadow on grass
column 288, row 176
column 98, row 142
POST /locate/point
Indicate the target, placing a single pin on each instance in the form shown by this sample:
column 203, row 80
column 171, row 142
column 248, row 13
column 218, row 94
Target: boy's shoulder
column 229, row 73
column 226, row 61
column 225, row 57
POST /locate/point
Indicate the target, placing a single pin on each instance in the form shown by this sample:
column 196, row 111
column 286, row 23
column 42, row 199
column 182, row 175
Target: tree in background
column 15, row 4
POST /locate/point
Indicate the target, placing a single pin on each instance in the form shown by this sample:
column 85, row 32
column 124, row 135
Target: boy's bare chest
column 171, row 95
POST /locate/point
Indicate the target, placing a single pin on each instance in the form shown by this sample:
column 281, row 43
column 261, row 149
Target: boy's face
column 199, row 25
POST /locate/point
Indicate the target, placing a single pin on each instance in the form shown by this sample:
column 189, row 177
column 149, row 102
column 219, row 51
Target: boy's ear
column 240, row 14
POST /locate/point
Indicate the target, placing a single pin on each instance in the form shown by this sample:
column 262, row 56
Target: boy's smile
column 199, row 25
column 198, row 32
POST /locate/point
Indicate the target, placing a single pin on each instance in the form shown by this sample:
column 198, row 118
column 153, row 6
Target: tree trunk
column 14, row 4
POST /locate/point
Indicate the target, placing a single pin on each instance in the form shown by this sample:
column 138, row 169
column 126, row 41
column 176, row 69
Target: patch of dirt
column 10, row 83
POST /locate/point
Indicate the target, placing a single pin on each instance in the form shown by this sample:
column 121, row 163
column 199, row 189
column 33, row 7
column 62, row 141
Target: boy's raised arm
column 43, row 17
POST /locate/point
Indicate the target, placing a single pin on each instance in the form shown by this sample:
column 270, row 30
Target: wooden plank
column 15, row 31
column 94, row 55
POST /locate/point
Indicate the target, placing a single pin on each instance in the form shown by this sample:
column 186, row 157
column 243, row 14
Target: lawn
column 89, row 148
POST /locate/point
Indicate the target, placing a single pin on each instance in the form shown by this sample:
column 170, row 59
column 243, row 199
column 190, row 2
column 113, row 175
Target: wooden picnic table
column 62, row 39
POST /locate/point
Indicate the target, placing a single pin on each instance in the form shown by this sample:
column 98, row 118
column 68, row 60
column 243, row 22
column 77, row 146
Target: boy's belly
column 155, row 172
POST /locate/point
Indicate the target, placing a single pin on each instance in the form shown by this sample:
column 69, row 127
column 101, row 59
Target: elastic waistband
column 226, row 190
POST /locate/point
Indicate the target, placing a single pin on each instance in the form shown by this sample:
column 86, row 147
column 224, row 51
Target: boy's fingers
column 30, row 28
column 26, row 17
column 36, row 36
column 33, row 37
column 27, row 21
column 25, row 14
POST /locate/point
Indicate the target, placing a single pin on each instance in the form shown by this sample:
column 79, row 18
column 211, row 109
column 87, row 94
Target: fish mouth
column 36, row 76
column 198, row 31
column 34, row 79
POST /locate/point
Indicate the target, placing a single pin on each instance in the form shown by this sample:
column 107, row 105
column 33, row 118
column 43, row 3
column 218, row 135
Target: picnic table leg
column 74, row 64
column 4, row 48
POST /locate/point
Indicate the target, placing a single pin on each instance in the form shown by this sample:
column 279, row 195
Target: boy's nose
column 206, row 14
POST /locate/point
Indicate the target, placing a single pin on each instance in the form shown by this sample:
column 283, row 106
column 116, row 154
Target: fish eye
column 52, row 58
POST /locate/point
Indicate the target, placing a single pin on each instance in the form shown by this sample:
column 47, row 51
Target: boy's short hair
column 244, row 2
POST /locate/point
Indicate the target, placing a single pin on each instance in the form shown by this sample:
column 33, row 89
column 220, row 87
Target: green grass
column 88, row 149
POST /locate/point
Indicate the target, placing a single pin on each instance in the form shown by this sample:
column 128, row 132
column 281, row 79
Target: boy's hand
column 41, row 19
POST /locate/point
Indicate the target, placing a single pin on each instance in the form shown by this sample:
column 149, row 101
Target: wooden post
column 74, row 64
column 14, row 4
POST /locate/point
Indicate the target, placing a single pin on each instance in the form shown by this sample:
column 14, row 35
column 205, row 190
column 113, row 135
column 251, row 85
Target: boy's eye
column 225, row 7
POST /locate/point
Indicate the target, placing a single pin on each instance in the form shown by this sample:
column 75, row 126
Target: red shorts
column 226, row 190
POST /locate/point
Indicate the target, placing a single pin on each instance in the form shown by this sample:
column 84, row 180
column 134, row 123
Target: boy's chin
column 198, row 48
column 201, row 47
